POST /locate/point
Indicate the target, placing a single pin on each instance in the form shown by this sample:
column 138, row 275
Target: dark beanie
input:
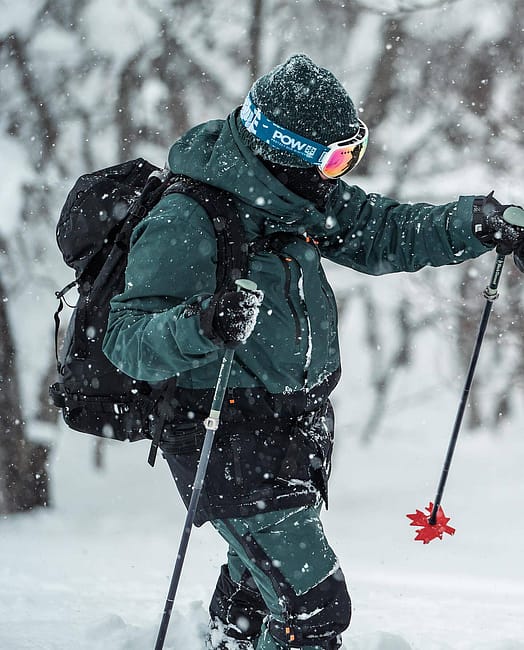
column 303, row 98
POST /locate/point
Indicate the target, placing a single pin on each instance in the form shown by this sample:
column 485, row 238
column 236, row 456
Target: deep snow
column 93, row 573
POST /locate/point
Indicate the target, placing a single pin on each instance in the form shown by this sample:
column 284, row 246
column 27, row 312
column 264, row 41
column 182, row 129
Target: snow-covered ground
column 92, row 573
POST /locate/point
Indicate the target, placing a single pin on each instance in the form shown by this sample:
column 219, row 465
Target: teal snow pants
column 282, row 587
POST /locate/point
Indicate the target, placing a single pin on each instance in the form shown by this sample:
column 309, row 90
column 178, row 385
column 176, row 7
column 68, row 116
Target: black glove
column 231, row 316
column 518, row 257
column 491, row 229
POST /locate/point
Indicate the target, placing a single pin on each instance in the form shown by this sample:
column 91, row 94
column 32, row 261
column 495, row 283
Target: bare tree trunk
column 46, row 411
column 255, row 33
column 509, row 330
column 386, row 370
column 23, row 475
column 384, row 86
column 468, row 322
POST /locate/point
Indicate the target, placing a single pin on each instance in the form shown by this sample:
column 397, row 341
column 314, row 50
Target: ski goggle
column 333, row 161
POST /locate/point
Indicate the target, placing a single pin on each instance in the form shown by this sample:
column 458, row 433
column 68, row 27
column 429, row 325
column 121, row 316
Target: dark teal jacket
column 294, row 345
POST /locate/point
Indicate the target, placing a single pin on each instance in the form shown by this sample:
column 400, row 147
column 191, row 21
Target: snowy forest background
column 87, row 83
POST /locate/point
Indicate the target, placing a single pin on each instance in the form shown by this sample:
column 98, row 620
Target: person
column 281, row 157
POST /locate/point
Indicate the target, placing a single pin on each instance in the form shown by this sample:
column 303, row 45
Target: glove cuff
column 207, row 322
column 485, row 210
column 518, row 258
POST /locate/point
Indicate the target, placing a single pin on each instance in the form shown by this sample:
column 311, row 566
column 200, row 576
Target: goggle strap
column 279, row 137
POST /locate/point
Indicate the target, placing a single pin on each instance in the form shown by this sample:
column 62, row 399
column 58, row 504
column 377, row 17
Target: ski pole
column 490, row 294
column 211, row 425
column 436, row 524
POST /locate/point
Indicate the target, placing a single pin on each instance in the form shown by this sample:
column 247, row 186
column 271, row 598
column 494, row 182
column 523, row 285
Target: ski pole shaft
column 491, row 294
column 211, row 425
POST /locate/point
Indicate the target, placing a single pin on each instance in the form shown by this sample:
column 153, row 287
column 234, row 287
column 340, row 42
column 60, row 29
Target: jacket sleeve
column 153, row 330
column 376, row 235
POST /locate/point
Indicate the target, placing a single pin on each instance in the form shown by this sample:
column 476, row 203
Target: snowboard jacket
column 154, row 329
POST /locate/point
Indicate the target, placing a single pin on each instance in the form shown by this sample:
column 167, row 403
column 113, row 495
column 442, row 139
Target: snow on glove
column 491, row 229
column 231, row 316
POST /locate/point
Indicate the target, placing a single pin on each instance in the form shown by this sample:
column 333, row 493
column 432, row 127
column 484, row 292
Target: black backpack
column 93, row 234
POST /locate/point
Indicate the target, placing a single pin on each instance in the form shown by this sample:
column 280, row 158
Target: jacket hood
column 214, row 153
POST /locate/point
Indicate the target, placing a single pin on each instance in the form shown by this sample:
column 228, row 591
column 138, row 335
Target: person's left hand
column 491, row 229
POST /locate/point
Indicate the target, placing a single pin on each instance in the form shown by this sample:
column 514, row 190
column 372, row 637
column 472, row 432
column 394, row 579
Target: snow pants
column 282, row 586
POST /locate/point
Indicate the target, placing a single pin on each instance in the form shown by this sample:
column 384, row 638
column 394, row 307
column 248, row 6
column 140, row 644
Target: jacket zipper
column 287, row 290
column 330, row 311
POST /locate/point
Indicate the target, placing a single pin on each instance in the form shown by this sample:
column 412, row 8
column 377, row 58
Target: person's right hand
column 231, row 317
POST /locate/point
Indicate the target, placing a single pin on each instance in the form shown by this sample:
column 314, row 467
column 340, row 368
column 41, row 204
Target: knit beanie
column 306, row 99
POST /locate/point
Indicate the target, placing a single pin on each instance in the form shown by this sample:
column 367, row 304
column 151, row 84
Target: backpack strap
column 219, row 205
column 153, row 190
column 232, row 255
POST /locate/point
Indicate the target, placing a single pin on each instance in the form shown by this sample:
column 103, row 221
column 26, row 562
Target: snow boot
column 223, row 637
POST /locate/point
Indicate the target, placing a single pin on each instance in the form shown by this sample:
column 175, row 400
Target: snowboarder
column 281, row 156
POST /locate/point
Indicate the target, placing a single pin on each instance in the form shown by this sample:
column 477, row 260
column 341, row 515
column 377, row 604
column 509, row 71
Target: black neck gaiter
column 304, row 181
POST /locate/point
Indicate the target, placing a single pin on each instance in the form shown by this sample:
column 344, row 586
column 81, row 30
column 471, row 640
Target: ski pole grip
column 247, row 285
column 514, row 215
